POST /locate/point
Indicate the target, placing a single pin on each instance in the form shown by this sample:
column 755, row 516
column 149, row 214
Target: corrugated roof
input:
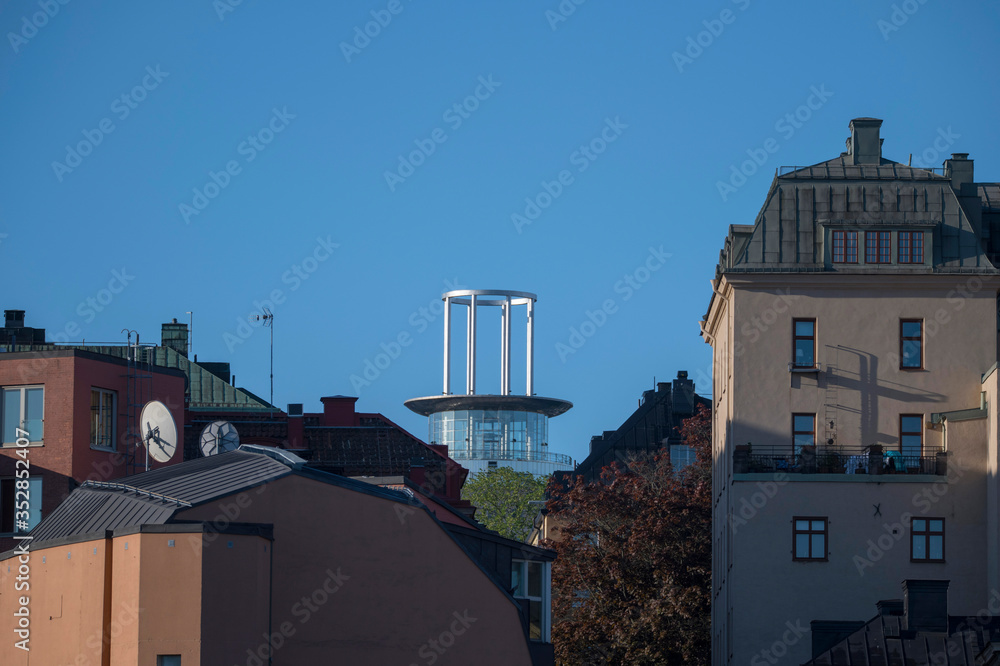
column 93, row 510
column 884, row 642
column 203, row 479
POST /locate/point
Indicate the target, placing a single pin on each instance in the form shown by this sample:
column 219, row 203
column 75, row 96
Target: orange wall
column 66, row 602
column 370, row 580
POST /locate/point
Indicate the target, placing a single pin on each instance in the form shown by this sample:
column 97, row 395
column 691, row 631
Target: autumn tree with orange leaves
column 632, row 582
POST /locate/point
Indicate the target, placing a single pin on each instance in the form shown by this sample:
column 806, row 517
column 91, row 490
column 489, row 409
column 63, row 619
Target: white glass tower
column 501, row 429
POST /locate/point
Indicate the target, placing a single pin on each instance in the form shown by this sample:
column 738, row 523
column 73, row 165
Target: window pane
column 535, row 619
column 804, row 328
column 35, row 498
column 936, row 549
column 802, row 525
column 534, row 579
column 801, row 545
column 818, row 545
column 911, row 329
column 11, row 414
column 919, row 525
column 516, row 578
column 911, row 353
column 817, row 525
column 910, row 445
column 803, row 423
column 33, row 414
column 804, row 352
column 912, row 424
column 937, row 526
column 919, row 548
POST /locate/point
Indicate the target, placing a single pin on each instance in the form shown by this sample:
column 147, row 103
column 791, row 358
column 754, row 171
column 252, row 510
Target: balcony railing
column 874, row 459
column 499, row 454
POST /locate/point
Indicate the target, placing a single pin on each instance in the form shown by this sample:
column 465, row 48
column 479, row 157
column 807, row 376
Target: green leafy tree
column 503, row 498
column 632, row 582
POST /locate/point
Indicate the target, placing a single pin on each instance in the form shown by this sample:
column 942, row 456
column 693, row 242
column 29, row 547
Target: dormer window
column 878, row 247
column 845, row 247
column 911, row 247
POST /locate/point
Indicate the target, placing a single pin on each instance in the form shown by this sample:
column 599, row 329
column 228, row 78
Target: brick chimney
column 338, row 410
column 682, row 396
column 864, row 146
column 175, row 336
column 925, row 605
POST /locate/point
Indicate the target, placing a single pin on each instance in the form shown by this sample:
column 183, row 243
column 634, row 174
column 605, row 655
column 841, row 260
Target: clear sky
column 160, row 158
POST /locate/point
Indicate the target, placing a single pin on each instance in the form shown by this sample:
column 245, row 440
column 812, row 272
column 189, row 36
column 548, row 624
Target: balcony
column 498, row 453
column 870, row 460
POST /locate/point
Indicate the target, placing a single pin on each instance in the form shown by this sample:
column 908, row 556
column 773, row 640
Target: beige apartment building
column 854, row 336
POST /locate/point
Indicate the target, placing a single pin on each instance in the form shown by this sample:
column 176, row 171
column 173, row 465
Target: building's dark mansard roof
column 866, row 190
column 787, row 233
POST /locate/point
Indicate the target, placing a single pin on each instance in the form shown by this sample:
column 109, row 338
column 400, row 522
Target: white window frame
column 545, row 599
column 22, row 389
column 114, row 418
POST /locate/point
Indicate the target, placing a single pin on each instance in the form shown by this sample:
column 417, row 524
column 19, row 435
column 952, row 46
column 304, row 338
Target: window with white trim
column 22, row 407
column 531, row 580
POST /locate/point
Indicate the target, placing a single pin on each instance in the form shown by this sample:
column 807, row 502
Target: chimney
column 13, row 318
column 864, row 146
column 925, row 605
column 338, row 410
column 890, row 607
column 596, row 441
column 959, row 169
column 296, row 426
column 682, row 397
column 175, row 336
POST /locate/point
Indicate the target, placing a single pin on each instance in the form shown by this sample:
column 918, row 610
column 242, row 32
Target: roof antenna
column 909, row 161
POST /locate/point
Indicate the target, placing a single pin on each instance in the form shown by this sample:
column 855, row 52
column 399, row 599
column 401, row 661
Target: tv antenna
column 219, row 437
column 268, row 318
column 159, row 433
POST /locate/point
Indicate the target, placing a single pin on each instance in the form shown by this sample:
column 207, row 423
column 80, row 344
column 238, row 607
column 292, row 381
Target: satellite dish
column 158, row 431
column 219, row 437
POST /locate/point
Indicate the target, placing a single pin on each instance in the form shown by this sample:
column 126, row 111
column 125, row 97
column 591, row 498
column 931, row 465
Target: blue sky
column 250, row 155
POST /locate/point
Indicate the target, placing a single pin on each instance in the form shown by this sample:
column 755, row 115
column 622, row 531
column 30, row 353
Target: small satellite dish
column 158, row 431
column 219, row 437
